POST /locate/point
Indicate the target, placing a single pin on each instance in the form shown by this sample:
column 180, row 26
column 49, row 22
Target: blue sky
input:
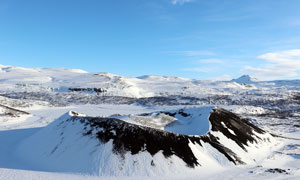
column 203, row 39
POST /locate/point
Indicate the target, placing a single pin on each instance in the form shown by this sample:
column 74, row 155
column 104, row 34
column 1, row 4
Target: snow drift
column 111, row 146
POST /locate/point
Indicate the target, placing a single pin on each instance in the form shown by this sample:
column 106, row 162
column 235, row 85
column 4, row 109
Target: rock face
column 111, row 146
column 90, row 90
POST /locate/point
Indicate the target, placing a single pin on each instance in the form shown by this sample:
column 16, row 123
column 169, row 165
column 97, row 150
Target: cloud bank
column 280, row 65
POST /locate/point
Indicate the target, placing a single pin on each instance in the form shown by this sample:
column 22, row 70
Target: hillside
column 110, row 146
column 145, row 127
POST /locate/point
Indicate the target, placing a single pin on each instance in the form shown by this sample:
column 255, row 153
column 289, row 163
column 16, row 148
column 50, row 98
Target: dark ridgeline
column 96, row 90
column 12, row 111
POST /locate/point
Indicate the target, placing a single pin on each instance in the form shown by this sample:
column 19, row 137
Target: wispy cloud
column 193, row 53
column 283, row 64
column 210, row 61
column 224, row 77
column 200, row 61
column 180, row 2
column 201, row 69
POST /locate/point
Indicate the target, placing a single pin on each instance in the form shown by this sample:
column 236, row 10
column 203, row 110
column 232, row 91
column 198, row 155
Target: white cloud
column 210, row 61
column 209, row 65
column 201, row 69
column 176, row 2
column 224, row 77
column 283, row 64
column 193, row 53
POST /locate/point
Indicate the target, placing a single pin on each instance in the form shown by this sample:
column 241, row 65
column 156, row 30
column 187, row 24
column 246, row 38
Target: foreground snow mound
column 114, row 147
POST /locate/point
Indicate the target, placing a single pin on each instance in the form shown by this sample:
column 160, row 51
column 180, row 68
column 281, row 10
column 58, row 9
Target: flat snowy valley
column 69, row 124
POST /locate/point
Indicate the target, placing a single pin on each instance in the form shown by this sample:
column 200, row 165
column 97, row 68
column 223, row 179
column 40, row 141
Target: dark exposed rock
column 97, row 90
column 243, row 130
column 12, row 111
column 279, row 107
column 134, row 138
column 276, row 170
column 180, row 112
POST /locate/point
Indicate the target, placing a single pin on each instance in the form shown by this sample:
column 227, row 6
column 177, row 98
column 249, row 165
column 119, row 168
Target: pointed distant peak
column 245, row 79
column 245, row 76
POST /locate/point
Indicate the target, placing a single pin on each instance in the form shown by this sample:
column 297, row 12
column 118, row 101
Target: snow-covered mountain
column 170, row 127
column 64, row 80
column 245, row 79
column 110, row 146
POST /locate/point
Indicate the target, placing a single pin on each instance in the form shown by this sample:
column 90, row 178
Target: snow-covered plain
column 48, row 94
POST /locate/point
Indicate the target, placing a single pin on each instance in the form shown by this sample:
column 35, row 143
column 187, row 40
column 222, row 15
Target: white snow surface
column 60, row 79
column 25, row 150
column 57, row 145
column 25, row 161
column 195, row 124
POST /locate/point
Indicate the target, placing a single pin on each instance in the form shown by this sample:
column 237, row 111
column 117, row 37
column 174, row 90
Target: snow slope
column 171, row 105
column 112, row 147
column 61, row 80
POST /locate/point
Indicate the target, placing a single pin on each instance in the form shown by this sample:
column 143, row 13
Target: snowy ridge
column 113, row 147
column 53, row 81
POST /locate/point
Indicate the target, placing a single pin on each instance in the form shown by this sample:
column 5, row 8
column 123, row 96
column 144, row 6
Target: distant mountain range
column 65, row 80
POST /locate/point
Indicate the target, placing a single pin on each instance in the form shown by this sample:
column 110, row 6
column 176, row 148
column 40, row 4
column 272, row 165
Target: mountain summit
column 245, row 79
